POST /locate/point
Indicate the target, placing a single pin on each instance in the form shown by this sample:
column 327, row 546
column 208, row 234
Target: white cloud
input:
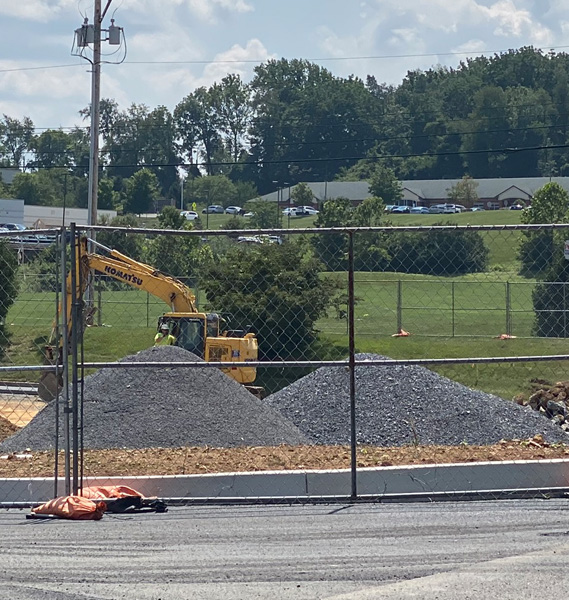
column 48, row 83
column 35, row 10
column 204, row 10
column 506, row 18
column 236, row 60
column 169, row 84
column 475, row 47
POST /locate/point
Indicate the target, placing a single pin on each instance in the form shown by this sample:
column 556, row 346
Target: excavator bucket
column 50, row 384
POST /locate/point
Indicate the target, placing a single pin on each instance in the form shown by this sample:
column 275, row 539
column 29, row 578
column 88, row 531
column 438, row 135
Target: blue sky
column 384, row 38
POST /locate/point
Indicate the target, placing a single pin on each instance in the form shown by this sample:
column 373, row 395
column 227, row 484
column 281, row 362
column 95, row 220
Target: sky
column 174, row 46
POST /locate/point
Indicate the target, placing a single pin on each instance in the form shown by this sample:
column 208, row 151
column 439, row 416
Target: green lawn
column 433, row 306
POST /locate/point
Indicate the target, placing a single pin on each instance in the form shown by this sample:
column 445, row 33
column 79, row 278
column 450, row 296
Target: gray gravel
column 168, row 407
column 400, row 405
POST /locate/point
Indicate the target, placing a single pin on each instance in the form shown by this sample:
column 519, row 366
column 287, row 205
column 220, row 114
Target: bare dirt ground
column 19, row 410
column 180, row 461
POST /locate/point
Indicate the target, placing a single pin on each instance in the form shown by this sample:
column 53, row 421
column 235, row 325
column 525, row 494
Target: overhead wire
column 310, row 59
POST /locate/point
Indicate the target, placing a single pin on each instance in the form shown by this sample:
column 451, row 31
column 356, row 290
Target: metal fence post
column 564, row 309
column 99, row 306
column 65, row 363
column 399, row 305
column 508, row 309
column 452, row 308
column 352, row 362
column 75, row 325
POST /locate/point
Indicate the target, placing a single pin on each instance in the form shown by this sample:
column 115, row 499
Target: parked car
column 289, row 211
column 436, row 209
column 450, row 209
column 516, row 207
column 234, row 210
column 303, row 211
column 419, row 210
column 249, row 239
column 401, row 209
column 191, row 215
column 13, row 226
column 213, row 209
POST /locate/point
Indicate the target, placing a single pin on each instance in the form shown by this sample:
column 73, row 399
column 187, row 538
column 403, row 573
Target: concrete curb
column 469, row 480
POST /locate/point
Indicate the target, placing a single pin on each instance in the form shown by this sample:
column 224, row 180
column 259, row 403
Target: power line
column 263, row 162
column 114, row 146
column 314, row 59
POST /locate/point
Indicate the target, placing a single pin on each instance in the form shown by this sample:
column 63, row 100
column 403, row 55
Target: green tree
column 302, row 113
column 550, row 204
column 179, row 256
column 245, row 191
column 331, row 248
column 15, row 139
column 232, row 103
column 385, row 185
column 266, row 215
column 436, row 252
column 107, row 198
column 34, row 188
column 141, row 192
column 277, row 291
column 214, row 189
column 198, row 125
column 128, row 244
column 51, row 149
column 302, row 195
column 8, row 290
column 464, row 192
column 551, row 298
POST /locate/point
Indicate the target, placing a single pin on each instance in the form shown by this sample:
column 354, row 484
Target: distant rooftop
column 426, row 190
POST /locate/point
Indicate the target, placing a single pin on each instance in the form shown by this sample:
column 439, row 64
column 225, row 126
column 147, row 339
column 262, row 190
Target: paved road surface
column 447, row 551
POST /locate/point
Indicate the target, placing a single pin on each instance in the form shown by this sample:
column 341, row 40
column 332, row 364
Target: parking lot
column 458, row 551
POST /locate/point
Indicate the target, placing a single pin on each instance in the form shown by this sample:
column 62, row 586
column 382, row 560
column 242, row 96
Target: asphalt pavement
column 445, row 551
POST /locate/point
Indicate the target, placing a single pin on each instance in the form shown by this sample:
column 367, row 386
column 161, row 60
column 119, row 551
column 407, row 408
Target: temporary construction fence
column 367, row 338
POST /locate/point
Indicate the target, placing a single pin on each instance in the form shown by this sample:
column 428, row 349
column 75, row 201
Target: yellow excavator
column 204, row 334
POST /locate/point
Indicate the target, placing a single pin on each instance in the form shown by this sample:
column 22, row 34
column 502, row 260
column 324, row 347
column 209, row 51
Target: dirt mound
column 164, row 407
column 6, row 428
column 400, row 405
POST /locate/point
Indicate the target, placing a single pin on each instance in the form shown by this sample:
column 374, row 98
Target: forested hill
column 503, row 116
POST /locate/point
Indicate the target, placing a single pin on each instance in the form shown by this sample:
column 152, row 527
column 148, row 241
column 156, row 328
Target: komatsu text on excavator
column 199, row 332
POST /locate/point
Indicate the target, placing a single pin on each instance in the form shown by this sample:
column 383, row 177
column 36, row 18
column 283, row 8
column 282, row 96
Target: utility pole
column 95, row 117
column 91, row 37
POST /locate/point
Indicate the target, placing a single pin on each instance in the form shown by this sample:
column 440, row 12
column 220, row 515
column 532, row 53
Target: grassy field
column 447, row 317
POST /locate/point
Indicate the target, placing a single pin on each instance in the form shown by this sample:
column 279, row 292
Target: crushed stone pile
column 164, row 408
column 401, row 405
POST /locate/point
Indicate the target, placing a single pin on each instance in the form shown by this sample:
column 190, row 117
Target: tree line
column 500, row 116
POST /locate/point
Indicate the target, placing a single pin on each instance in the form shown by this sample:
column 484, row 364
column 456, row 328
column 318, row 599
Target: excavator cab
column 188, row 331
column 201, row 334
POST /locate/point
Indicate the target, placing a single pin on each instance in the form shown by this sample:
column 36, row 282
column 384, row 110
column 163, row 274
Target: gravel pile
column 400, row 405
column 166, row 407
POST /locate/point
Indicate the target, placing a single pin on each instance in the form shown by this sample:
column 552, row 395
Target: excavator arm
column 174, row 293
column 138, row 275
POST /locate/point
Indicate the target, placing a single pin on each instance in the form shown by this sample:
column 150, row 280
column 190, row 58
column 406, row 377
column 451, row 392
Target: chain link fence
column 286, row 364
